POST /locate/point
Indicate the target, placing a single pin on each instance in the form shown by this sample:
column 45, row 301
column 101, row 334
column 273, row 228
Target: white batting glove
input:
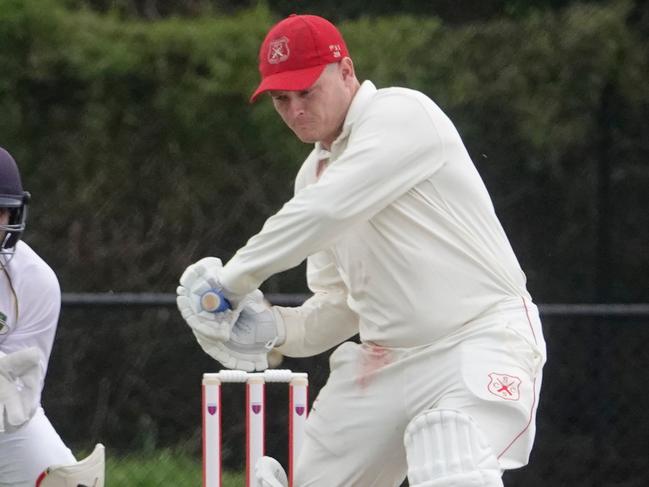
column 20, row 375
column 256, row 332
column 198, row 285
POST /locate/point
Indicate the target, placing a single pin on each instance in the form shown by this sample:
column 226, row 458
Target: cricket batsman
column 404, row 248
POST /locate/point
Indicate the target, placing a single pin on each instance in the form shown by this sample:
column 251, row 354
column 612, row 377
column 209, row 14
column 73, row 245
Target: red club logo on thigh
column 504, row 386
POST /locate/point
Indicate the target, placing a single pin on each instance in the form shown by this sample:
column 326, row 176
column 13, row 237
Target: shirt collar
column 359, row 103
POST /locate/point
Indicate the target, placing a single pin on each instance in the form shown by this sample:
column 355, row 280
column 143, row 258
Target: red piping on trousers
column 529, row 421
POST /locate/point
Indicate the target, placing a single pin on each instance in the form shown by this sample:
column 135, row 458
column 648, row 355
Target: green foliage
column 143, row 154
column 163, row 467
column 449, row 10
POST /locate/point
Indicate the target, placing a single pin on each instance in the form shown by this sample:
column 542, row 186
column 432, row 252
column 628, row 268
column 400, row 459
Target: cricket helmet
column 13, row 198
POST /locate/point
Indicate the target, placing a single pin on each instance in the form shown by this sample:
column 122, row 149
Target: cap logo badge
column 278, row 51
column 335, row 50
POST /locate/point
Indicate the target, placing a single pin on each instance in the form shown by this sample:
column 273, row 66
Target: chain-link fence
column 129, row 375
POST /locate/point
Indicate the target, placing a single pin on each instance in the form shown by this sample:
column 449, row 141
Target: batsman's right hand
column 201, row 280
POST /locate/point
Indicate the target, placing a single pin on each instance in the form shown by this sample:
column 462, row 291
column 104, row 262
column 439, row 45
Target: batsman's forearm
column 321, row 323
column 298, row 230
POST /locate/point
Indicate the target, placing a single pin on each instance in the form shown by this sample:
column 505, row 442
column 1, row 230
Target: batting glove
column 257, row 330
column 200, row 280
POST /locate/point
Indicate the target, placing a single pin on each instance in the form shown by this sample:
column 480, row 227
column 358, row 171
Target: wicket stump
column 255, row 418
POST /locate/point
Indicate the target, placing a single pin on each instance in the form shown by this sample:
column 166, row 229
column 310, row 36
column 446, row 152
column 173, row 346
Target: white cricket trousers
column 490, row 369
column 27, row 451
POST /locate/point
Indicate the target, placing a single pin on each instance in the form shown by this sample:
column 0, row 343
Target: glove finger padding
column 216, row 326
column 197, row 279
column 221, row 353
column 20, row 378
column 254, row 334
column 201, row 270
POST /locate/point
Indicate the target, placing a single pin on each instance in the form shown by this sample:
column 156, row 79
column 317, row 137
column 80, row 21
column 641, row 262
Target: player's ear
column 347, row 69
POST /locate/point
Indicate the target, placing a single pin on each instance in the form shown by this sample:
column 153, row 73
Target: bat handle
column 213, row 301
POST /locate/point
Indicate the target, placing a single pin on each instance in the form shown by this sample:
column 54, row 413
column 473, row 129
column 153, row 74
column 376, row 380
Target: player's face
column 317, row 114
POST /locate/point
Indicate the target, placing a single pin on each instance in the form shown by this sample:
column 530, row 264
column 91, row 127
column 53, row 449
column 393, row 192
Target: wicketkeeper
column 403, row 247
column 31, row 452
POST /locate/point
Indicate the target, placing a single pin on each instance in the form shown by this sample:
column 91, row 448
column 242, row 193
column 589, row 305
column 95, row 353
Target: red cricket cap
column 296, row 51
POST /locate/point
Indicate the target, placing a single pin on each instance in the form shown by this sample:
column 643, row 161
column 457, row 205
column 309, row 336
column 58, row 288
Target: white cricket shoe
column 269, row 473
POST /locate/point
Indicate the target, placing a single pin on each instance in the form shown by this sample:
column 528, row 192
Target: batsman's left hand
column 199, row 280
column 257, row 330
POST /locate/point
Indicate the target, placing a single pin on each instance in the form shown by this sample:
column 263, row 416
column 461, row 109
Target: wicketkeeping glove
column 19, row 386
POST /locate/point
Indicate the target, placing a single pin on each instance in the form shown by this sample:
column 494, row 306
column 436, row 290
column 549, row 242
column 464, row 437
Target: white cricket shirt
column 403, row 242
column 30, row 302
